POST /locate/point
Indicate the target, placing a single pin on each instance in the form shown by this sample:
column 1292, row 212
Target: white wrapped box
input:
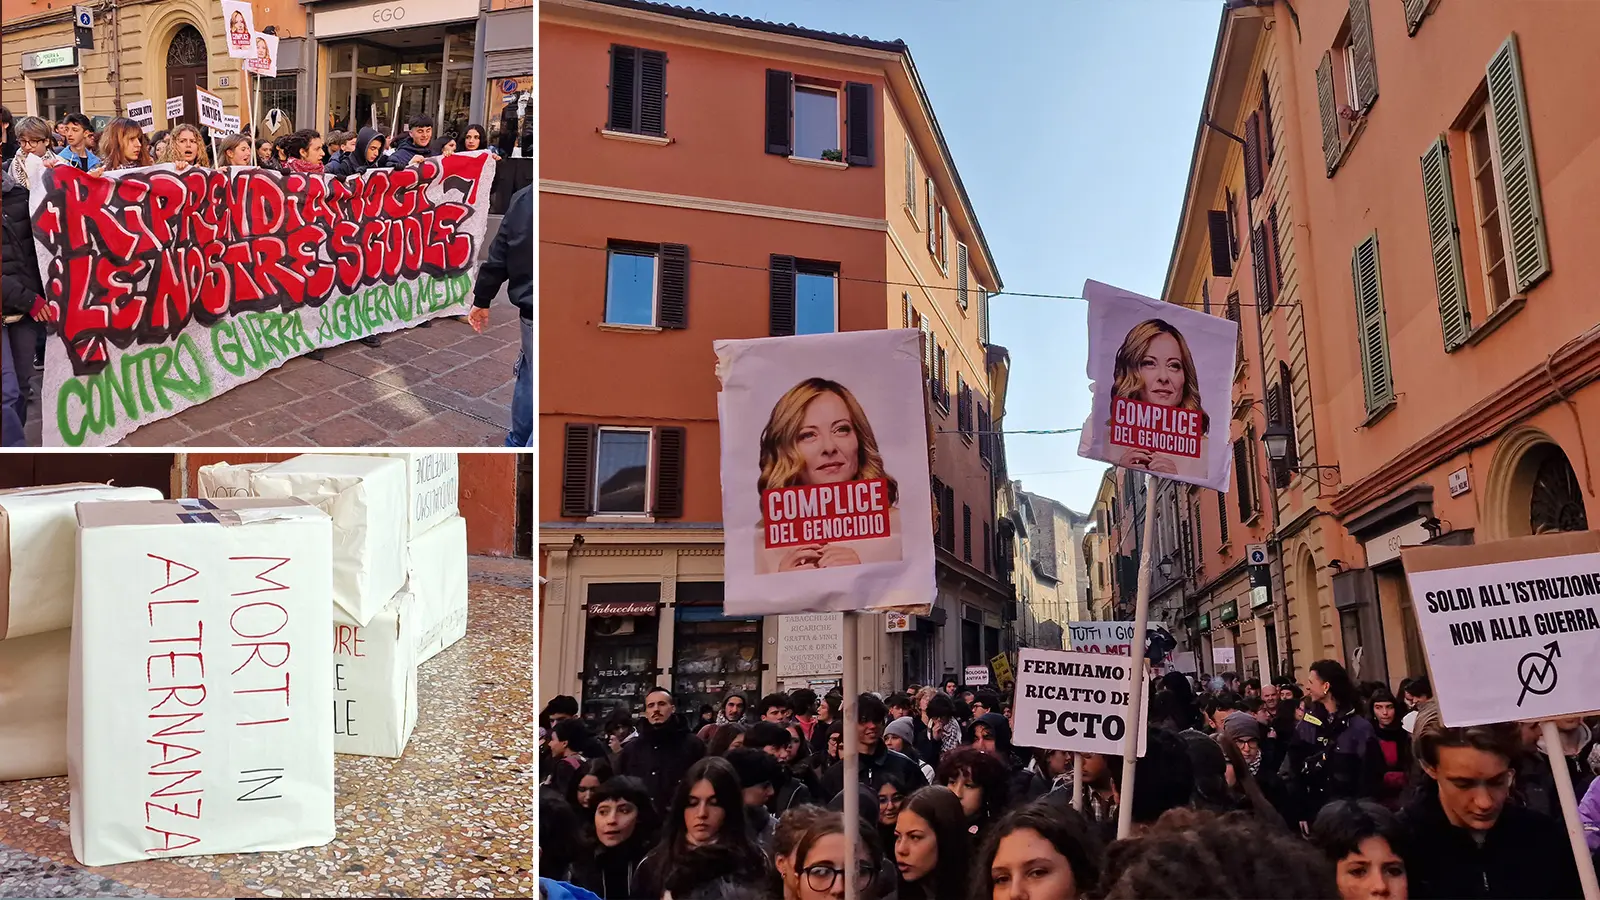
column 366, row 497
column 33, row 705
column 38, row 552
column 435, row 489
column 439, row 581
column 197, row 718
column 222, row 479
column 375, row 680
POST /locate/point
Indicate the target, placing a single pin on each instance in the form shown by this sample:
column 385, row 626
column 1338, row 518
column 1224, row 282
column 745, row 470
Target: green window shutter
column 1371, row 329
column 1332, row 144
column 1444, row 235
column 1524, row 214
column 1365, row 62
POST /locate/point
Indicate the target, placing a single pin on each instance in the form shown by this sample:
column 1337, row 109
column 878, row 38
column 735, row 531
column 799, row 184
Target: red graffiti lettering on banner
column 135, row 257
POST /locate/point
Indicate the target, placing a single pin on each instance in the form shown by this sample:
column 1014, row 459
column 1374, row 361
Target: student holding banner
column 126, row 146
column 186, row 147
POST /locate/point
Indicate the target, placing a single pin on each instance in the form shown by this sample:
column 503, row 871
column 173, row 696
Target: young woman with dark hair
column 1334, row 752
column 891, row 797
column 1199, row 854
column 822, row 862
column 983, row 785
column 932, row 846
column 304, row 150
column 944, row 731
column 1362, row 840
column 1039, row 850
column 725, row 737
column 581, row 789
column 1394, row 742
column 475, row 138
column 624, row 825
column 706, row 837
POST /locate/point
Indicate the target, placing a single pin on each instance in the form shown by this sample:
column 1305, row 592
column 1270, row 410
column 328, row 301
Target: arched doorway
column 1309, row 613
column 1555, row 499
column 186, row 70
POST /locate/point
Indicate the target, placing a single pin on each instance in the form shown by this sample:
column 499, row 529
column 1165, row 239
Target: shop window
column 620, row 645
column 716, row 654
column 622, row 471
column 58, row 98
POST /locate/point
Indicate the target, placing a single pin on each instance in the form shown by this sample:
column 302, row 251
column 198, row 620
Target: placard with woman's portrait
column 1161, row 376
column 825, row 494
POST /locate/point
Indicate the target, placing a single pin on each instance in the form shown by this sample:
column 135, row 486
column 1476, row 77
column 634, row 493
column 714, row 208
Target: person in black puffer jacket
column 21, row 300
column 510, row 263
column 368, row 153
column 664, row 749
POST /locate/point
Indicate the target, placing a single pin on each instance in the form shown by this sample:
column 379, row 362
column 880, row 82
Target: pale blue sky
column 1072, row 122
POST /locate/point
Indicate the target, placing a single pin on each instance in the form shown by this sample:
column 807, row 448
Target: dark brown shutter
column 858, row 124
column 1275, row 414
column 1233, row 226
column 652, row 92
column 780, row 314
column 1274, row 404
column 966, row 533
column 624, row 88
column 669, row 473
column 1258, row 266
column 988, row 564
column 1221, row 261
column 905, row 310
column 950, row 518
column 1222, row 519
column 577, row 471
column 1277, row 255
column 1266, row 117
column 1252, row 156
column 1205, row 295
column 1286, row 392
column 1241, row 474
column 674, row 311
column 780, row 112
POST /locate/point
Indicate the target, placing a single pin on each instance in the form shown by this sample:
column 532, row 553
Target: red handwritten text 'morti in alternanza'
column 822, row 513
column 173, row 807
column 1159, row 429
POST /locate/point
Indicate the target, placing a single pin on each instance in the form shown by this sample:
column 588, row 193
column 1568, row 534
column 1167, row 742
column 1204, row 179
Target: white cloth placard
column 183, row 734
column 38, row 552
column 375, row 680
column 33, row 705
column 366, row 497
column 434, row 486
column 439, row 580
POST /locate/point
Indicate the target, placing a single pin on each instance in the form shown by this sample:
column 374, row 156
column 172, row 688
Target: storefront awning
column 623, row 608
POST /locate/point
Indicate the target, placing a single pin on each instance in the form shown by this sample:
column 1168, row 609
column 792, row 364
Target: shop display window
column 716, row 653
column 620, row 646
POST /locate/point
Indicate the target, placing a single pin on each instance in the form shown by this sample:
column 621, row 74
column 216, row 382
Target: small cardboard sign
column 1073, row 701
column 210, row 108
column 263, row 58
column 143, row 112
column 230, row 124
column 241, row 26
column 174, row 108
column 975, row 675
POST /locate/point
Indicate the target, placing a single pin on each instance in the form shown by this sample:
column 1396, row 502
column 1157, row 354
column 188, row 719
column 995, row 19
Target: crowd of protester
column 123, row 144
column 1321, row 789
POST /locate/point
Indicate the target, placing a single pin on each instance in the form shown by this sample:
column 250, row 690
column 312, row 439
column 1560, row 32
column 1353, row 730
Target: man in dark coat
column 1464, row 840
column 874, row 755
column 20, row 299
column 510, row 263
column 664, row 749
column 414, row 143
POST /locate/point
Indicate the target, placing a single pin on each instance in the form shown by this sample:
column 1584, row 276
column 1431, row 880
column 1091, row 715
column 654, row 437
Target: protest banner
column 241, row 21
column 1101, row 637
column 1511, row 628
column 1162, row 378
column 263, row 59
column 209, row 108
column 144, row 113
column 824, row 470
column 1512, row 633
column 174, row 109
column 810, row 645
column 1067, row 700
column 973, row 676
column 167, row 289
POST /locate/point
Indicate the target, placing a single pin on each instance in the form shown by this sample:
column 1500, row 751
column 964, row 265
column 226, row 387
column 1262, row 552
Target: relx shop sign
column 363, row 18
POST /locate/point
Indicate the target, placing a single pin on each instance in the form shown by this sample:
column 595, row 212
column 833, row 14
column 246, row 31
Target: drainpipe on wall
column 116, row 49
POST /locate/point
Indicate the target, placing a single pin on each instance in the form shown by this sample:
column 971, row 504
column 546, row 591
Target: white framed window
column 622, row 472
column 816, row 299
column 817, row 134
column 632, row 285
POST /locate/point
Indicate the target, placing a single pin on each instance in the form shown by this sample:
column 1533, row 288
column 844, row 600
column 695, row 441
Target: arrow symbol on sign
column 1537, row 671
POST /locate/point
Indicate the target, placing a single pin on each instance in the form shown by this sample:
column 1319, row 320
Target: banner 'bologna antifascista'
column 1161, row 377
column 1511, row 628
column 825, row 473
column 1072, row 701
column 165, row 288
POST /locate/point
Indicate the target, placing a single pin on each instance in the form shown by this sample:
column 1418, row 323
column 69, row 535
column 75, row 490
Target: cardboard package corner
column 33, row 705
column 228, row 480
column 375, row 680
column 38, row 550
column 191, row 620
column 365, row 496
column 439, row 580
column 433, row 489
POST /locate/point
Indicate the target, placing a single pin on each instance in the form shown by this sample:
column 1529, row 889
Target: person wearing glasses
column 706, row 837
column 33, row 139
column 821, row 862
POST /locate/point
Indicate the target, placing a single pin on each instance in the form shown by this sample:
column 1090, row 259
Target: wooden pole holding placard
column 1136, row 685
column 1077, row 782
column 852, row 759
column 1569, row 809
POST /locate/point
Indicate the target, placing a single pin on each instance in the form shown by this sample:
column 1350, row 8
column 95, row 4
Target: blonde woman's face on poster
column 827, row 441
column 1161, row 371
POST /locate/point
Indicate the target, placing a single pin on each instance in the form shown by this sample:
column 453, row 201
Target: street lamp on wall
column 1166, row 568
column 1276, row 438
